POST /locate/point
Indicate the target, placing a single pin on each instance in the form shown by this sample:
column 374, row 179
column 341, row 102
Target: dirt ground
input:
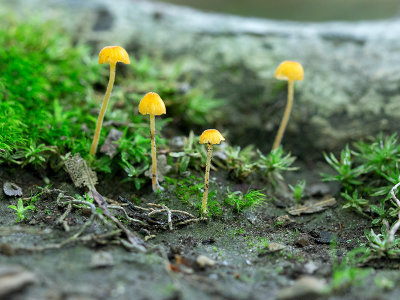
column 263, row 253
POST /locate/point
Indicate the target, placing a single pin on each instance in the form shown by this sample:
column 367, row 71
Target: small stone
column 204, row 261
column 14, row 278
column 302, row 240
column 11, row 189
column 102, row 260
column 310, row 267
column 306, row 287
column 284, row 221
column 273, row 247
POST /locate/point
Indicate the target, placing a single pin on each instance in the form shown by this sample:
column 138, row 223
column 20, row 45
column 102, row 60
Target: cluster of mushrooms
column 152, row 105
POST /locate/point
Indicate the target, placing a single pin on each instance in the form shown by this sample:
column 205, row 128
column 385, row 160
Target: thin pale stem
column 154, row 179
column 99, row 123
column 286, row 116
column 206, row 177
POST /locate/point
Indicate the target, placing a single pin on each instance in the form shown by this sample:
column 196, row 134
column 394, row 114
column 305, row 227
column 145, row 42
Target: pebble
column 306, row 287
column 204, row 261
column 302, row 240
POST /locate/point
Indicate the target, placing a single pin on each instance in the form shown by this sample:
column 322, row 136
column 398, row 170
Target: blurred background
column 300, row 10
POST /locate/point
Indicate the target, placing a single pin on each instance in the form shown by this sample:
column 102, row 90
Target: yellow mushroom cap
column 289, row 70
column 211, row 136
column 152, row 104
column 113, row 54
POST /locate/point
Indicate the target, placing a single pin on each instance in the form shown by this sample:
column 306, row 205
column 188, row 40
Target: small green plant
column 20, row 209
column 298, row 190
column 273, row 164
column 383, row 244
column 191, row 156
column 367, row 174
column 214, row 208
column 355, row 202
column 241, row 202
column 346, row 273
column 239, row 161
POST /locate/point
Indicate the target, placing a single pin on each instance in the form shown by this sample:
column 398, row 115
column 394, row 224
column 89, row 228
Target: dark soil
column 244, row 268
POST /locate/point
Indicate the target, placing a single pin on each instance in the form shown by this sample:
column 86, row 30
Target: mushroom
column 209, row 137
column 152, row 104
column 290, row 71
column 110, row 55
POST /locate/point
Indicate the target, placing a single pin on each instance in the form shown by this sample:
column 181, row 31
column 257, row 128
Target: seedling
column 239, row 161
column 355, row 202
column 273, row 164
column 298, row 190
column 20, row 209
column 110, row 55
column 209, row 137
column 152, row 104
column 346, row 273
column 290, row 71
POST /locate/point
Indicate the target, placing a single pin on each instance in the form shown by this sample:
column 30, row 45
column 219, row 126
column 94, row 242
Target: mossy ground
column 50, row 89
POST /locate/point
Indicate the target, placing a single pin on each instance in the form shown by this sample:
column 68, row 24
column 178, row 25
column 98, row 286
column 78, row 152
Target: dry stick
column 206, row 177
column 126, row 214
column 286, row 116
column 99, row 123
column 396, row 226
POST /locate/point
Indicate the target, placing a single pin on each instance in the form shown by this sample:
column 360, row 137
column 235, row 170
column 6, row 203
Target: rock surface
column 351, row 87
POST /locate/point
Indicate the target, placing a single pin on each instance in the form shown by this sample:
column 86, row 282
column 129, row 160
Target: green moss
column 50, row 89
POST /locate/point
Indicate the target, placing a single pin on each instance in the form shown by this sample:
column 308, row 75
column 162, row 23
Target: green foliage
column 189, row 190
column 273, row 164
column 382, row 244
column 354, row 202
column 241, row 202
column 47, row 99
column 214, row 208
column 298, row 190
column 367, row 175
column 347, row 174
column 20, row 209
column 193, row 154
column 239, row 162
column 39, row 68
column 346, row 273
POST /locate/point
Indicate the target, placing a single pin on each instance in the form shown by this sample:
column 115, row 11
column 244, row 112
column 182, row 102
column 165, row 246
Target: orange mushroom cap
column 113, row 54
column 289, row 70
column 211, row 136
column 152, row 104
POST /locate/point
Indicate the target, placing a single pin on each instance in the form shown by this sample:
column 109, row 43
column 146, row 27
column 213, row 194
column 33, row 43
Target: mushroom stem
column 206, row 177
column 99, row 123
column 154, row 179
column 286, row 116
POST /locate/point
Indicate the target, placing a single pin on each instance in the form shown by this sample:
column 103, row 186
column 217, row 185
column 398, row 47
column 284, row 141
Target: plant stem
column 99, row 123
column 153, row 153
column 286, row 116
column 208, row 164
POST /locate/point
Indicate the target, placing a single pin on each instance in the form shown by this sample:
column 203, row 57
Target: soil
column 241, row 266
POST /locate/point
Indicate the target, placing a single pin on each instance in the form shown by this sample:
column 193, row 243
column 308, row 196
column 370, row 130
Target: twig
column 126, row 215
column 396, row 225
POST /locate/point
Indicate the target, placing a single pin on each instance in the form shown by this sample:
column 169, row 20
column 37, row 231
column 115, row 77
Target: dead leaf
column 11, row 189
column 80, row 173
column 110, row 147
column 312, row 206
